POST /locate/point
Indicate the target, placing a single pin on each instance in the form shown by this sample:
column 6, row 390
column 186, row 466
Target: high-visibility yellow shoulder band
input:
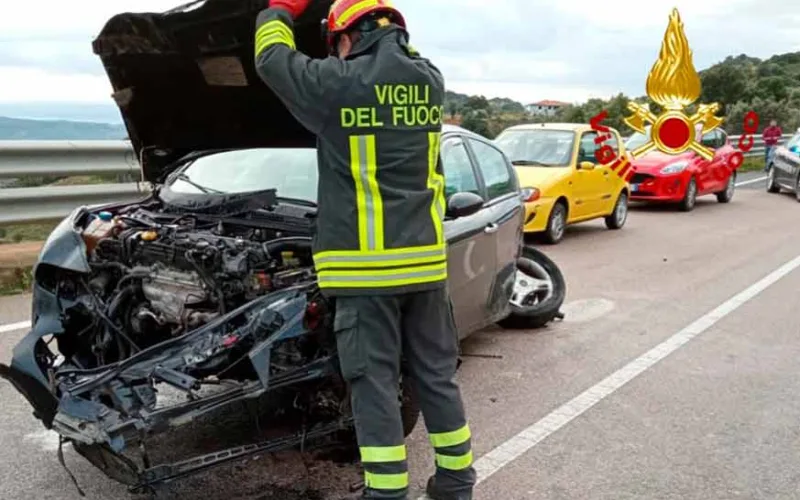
column 381, row 278
column 379, row 454
column 453, row 438
column 459, row 462
column 380, row 258
column 271, row 33
column 386, row 481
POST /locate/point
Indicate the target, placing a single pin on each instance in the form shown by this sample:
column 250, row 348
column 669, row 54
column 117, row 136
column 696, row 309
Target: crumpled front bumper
column 79, row 415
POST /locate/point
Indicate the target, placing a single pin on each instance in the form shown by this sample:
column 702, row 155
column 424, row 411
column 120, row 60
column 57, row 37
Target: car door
column 589, row 185
column 614, row 181
column 507, row 212
column 712, row 176
column 786, row 162
column 471, row 244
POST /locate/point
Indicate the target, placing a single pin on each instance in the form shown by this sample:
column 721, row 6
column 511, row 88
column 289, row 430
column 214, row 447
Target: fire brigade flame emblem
column 673, row 83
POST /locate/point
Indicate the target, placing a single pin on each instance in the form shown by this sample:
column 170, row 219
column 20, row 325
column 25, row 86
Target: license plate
column 634, row 188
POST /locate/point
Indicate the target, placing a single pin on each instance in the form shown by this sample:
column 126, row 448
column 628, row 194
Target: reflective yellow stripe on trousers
column 453, row 449
column 392, row 460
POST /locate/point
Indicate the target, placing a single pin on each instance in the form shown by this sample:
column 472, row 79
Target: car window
column 291, row 171
column 458, row 173
column 722, row 138
column 539, row 147
column 794, row 141
column 496, row 171
column 588, row 147
column 613, row 142
column 710, row 139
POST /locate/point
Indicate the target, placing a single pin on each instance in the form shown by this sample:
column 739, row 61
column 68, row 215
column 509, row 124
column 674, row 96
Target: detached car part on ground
column 208, row 289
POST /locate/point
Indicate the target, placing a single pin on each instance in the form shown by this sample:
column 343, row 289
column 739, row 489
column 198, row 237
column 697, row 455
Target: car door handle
column 491, row 228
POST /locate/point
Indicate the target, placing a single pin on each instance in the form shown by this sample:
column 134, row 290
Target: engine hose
column 293, row 244
column 117, row 302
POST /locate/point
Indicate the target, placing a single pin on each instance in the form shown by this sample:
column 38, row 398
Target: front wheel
column 727, row 195
column 797, row 189
column 556, row 224
column 690, row 198
column 772, row 182
column 539, row 291
column 620, row 214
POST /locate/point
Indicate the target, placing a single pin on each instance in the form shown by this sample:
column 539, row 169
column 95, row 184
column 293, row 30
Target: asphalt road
column 673, row 375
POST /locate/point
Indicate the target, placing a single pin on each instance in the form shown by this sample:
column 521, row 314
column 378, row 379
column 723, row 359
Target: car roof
column 572, row 127
column 448, row 128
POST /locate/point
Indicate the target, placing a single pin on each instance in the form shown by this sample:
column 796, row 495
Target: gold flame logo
column 673, row 83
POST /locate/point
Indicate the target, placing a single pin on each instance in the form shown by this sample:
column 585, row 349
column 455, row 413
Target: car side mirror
column 463, row 204
column 585, row 165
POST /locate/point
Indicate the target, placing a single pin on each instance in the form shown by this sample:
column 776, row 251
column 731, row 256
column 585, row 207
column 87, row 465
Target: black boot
column 434, row 493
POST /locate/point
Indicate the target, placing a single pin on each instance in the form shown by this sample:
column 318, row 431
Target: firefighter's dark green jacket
column 377, row 115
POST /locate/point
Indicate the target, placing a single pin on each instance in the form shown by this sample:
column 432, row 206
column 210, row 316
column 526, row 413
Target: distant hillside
column 25, row 129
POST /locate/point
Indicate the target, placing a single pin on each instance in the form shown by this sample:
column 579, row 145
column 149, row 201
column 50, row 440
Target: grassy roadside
column 752, row 164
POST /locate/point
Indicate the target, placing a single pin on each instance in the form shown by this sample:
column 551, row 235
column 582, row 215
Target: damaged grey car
column 207, row 286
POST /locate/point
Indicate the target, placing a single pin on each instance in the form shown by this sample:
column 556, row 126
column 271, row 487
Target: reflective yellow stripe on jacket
column 271, row 33
column 374, row 265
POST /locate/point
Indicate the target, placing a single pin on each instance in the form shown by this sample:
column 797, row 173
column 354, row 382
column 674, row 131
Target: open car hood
column 185, row 80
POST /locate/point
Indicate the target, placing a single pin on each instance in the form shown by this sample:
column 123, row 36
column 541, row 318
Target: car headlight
column 674, row 168
column 529, row 194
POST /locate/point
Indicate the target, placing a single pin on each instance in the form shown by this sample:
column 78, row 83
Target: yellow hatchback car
column 561, row 180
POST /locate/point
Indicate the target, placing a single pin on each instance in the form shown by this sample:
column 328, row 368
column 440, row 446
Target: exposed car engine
column 157, row 275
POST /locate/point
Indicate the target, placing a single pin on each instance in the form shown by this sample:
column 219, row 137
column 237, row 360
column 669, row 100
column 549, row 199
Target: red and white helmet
column 345, row 14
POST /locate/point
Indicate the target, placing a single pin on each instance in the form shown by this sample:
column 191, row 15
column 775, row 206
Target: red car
column 681, row 178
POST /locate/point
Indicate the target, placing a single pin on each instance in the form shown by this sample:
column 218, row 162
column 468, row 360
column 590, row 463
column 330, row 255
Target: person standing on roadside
column 376, row 107
column 772, row 135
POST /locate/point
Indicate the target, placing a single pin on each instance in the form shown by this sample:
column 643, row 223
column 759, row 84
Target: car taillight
column 529, row 194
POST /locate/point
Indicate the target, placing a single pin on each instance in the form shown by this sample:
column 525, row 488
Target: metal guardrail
column 22, row 205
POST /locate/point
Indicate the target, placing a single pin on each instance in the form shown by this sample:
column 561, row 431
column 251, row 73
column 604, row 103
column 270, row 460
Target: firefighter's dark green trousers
column 371, row 333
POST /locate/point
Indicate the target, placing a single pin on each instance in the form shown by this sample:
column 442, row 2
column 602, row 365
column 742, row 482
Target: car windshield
column 537, row 147
column 291, row 171
column 638, row 139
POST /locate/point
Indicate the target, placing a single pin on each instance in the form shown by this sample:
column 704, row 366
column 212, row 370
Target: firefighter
column 376, row 107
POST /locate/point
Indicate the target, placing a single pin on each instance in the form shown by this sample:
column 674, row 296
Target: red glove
column 293, row 7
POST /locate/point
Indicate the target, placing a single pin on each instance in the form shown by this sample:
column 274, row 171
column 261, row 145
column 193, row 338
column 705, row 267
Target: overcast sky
column 524, row 49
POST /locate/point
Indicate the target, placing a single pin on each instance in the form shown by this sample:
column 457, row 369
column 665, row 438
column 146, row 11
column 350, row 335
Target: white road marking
column 751, row 181
column 515, row 447
column 15, row 326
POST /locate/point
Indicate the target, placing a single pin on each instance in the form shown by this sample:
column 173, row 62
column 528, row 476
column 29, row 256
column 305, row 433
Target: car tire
column 690, row 198
column 556, row 224
column 545, row 304
column 772, row 182
column 797, row 189
column 727, row 195
column 620, row 214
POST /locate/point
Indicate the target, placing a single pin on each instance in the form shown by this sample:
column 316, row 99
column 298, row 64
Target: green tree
column 476, row 102
column 772, row 88
column 723, row 83
column 477, row 121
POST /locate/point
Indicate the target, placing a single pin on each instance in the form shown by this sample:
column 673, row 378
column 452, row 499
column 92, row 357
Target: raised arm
column 307, row 86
